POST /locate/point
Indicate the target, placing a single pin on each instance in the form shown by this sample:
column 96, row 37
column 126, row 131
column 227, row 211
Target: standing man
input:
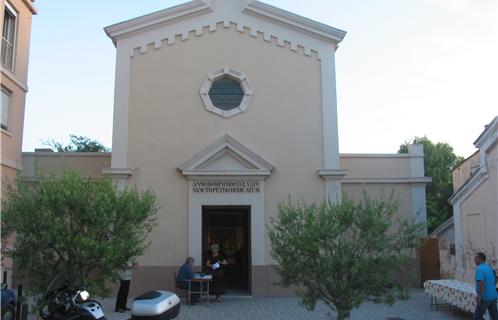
column 485, row 289
column 124, row 287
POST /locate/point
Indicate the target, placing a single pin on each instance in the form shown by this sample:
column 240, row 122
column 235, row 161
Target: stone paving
column 417, row 308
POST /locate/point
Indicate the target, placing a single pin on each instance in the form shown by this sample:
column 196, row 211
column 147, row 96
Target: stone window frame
column 9, row 62
column 234, row 74
column 6, row 109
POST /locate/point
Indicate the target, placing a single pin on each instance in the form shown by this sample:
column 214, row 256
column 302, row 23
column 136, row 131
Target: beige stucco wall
column 376, row 166
column 89, row 164
column 380, row 175
column 464, row 171
column 479, row 216
column 165, row 104
column 15, row 81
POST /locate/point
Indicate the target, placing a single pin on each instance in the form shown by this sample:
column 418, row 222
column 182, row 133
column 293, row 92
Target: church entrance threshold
column 229, row 227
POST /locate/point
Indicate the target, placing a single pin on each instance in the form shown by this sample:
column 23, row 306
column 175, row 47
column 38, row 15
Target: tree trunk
column 343, row 314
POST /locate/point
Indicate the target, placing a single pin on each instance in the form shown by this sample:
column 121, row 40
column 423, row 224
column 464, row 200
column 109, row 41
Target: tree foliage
column 81, row 230
column 77, row 144
column 344, row 254
column 439, row 161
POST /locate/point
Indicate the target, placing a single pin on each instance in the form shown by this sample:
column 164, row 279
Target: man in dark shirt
column 185, row 274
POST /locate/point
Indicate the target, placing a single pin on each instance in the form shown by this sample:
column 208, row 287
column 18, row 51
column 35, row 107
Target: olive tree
column 79, row 230
column 344, row 253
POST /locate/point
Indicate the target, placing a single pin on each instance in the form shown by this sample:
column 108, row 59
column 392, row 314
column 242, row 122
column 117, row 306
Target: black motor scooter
column 65, row 303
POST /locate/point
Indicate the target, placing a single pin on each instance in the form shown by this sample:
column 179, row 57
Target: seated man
column 185, row 274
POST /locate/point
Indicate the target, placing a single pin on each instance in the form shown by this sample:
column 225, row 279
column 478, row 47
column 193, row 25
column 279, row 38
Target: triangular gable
column 252, row 14
column 489, row 133
column 157, row 18
column 486, row 140
column 226, row 157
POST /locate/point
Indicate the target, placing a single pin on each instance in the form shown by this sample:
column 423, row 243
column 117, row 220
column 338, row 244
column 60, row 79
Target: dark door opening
column 229, row 227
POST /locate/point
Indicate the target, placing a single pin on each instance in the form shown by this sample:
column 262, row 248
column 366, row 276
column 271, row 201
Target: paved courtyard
column 417, row 308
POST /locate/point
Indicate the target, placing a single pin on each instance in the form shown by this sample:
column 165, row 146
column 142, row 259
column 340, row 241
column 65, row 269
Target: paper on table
column 215, row 266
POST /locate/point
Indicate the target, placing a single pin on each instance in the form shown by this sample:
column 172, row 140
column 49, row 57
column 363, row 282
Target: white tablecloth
column 458, row 293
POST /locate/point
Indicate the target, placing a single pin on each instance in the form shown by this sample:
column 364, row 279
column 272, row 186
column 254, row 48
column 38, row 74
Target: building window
column 5, row 109
column 226, row 92
column 8, row 36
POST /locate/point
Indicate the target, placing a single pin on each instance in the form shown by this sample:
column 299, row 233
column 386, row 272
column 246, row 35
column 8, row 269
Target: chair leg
column 188, row 293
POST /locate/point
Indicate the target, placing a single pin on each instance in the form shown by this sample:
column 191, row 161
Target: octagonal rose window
column 226, row 92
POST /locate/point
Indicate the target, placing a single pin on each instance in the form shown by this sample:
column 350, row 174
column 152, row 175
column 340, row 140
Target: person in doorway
column 215, row 262
column 185, row 274
column 485, row 289
column 124, row 287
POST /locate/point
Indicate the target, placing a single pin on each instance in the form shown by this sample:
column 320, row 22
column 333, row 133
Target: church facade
column 225, row 109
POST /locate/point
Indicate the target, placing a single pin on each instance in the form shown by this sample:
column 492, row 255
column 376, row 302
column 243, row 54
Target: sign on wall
column 226, row 186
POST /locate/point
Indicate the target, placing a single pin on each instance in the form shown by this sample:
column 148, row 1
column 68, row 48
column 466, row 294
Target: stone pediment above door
column 226, row 157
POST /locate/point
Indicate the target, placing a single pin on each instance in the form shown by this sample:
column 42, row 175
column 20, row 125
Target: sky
column 405, row 68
